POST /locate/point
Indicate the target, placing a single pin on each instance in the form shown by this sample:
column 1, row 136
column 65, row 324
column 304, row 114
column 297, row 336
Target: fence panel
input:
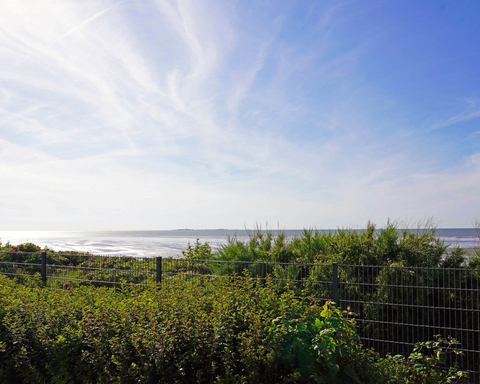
column 70, row 270
column 20, row 264
column 314, row 280
column 398, row 307
column 73, row 270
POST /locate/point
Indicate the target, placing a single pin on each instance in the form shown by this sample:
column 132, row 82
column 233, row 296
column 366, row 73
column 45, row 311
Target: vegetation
column 382, row 247
column 200, row 330
column 396, row 278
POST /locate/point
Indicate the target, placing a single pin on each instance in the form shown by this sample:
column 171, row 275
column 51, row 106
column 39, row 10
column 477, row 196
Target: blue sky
column 156, row 114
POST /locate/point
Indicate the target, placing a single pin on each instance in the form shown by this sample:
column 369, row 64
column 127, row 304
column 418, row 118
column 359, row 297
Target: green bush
column 200, row 251
column 185, row 331
column 385, row 246
column 423, row 365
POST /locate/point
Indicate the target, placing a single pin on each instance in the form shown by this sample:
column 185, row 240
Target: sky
column 163, row 114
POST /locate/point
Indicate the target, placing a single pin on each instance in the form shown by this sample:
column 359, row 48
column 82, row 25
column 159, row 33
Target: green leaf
column 352, row 374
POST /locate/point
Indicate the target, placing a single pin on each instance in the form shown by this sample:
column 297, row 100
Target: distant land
column 213, row 229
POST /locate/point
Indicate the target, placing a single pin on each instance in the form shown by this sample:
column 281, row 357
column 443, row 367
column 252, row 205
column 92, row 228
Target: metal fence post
column 159, row 270
column 43, row 268
column 335, row 283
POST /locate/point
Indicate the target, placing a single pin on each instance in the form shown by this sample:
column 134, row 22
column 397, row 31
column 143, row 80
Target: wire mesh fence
column 399, row 306
column 395, row 306
column 69, row 270
column 297, row 276
column 74, row 270
column 20, row 264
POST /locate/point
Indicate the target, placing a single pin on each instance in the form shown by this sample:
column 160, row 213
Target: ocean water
column 169, row 243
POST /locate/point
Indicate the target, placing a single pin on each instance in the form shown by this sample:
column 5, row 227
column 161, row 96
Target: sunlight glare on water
column 167, row 243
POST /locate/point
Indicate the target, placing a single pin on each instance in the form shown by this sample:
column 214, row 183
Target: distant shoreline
column 171, row 243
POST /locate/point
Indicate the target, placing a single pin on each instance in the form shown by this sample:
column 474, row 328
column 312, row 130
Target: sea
column 171, row 243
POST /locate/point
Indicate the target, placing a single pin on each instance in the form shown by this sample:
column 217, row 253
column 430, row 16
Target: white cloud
column 469, row 113
column 164, row 114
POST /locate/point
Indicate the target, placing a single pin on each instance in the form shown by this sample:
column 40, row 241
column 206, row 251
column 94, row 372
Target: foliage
column 189, row 330
column 373, row 246
column 327, row 344
column 424, row 364
column 200, row 251
column 455, row 259
column 303, row 265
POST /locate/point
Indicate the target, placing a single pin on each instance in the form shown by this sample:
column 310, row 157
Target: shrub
column 425, row 365
column 189, row 330
column 200, row 251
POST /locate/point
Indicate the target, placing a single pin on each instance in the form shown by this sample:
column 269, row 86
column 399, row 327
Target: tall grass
column 387, row 246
